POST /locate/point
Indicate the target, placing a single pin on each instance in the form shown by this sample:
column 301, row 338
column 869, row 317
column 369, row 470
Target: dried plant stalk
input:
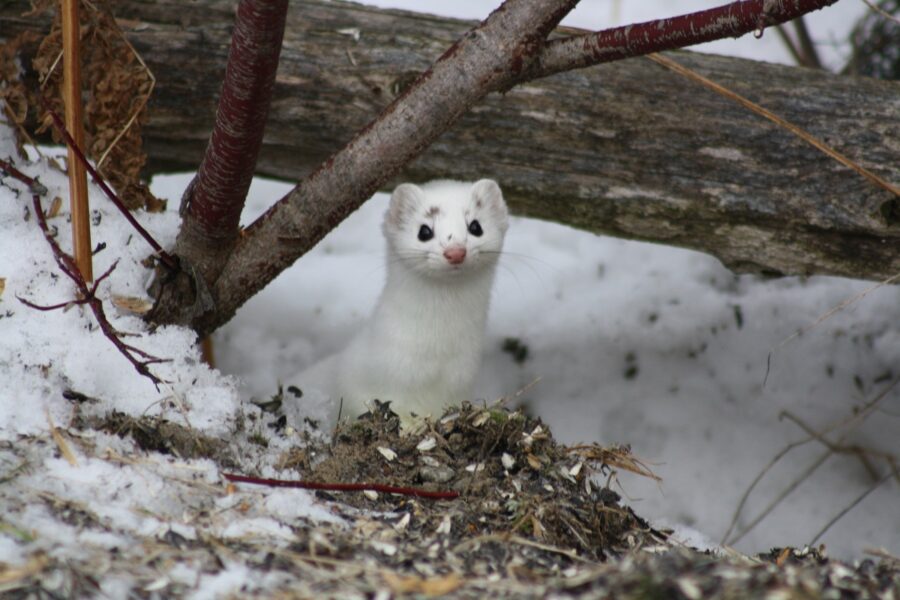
column 78, row 197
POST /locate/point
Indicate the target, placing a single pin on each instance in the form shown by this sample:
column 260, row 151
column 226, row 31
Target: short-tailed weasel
column 422, row 347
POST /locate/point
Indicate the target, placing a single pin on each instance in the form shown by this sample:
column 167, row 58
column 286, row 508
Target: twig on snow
column 87, row 294
column 857, row 417
column 67, row 266
column 164, row 256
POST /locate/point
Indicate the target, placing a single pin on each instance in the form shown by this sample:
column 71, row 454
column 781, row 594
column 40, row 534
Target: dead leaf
column 2, row 285
column 132, row 304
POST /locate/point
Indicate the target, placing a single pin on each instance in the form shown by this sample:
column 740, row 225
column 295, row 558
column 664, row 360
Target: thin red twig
column 67, row 265
column 83, row 300
column 344, row 487
column 34, row 186
column 164, row 256
column 87, row 293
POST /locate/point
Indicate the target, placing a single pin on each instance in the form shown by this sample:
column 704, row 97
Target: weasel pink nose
column 455, row 255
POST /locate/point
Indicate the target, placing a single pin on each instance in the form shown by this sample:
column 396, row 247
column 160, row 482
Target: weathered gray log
column 626, row 149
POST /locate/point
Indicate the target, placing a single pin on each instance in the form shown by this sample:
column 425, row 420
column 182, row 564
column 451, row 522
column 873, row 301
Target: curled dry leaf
column 132, row 304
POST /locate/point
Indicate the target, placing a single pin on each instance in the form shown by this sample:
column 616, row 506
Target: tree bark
column 626, row 149
column 212, row 203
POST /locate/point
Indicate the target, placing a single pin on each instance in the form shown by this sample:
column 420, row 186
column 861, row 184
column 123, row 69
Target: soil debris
column 154, row 434
column 513, row 477
column 535, row 519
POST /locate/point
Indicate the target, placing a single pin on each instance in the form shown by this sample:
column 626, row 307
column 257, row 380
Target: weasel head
column 446, row 228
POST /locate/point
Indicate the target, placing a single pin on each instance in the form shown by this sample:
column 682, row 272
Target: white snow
column 592, row 309
column 649, row 345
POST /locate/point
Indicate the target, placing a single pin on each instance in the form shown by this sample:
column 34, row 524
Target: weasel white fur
column 422, row 346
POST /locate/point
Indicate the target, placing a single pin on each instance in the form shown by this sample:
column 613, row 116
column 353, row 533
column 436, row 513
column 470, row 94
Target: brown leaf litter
column 118, row 86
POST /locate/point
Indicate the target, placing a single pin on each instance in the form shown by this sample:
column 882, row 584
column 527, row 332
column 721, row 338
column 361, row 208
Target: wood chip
column 427, row 444
column 387, row 453
column 55, row 205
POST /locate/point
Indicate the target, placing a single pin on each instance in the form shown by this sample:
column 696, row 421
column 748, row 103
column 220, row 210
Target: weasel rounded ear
column 406, row 197
column 487, row 193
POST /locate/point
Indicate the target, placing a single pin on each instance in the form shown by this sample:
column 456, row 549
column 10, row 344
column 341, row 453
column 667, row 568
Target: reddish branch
column 87, row 294
column 211, row 207
column 731, row 20
column 34, row 186
column 344, row 487
column 67, row 265
column 505, row 49
column 164, row 256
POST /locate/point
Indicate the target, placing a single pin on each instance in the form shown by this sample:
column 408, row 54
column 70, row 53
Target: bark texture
column 626, row 149
column 212, row 204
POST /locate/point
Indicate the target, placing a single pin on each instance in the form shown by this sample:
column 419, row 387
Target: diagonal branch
column 731, row 20
column 504, row 45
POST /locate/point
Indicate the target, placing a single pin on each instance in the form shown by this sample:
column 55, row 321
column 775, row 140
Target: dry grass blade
column 514, row 539
column 848, row 508
column 765, row 512
column 854, row 419
column 11, row 574
column 61, row 442
column 619, row 457
column 884, row 555
column 430, row 587
column 881, row 11
column 839, row 308
column 752, row 106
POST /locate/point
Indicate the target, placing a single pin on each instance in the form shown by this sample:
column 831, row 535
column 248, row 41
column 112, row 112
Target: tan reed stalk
column 81, row 225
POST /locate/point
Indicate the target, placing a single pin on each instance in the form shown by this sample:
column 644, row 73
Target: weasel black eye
column 475, row 228
column 425, row 233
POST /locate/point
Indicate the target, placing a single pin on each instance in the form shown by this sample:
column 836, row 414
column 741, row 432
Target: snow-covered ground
column 636, row 343
column 657, row 347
